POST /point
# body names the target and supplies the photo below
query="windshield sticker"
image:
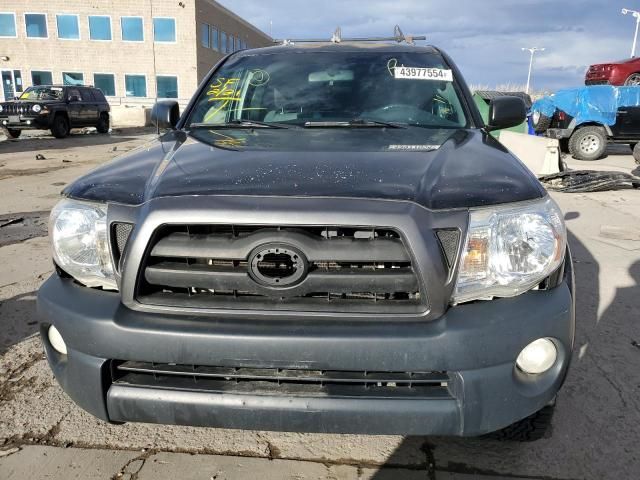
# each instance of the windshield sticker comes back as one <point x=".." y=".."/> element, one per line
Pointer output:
<point x="259" y="77"/>
<point x="420" y="73"/>
<point x="414" y="148"/>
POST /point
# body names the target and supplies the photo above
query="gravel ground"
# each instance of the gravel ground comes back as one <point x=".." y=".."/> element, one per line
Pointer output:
<point x="595" y="429"/>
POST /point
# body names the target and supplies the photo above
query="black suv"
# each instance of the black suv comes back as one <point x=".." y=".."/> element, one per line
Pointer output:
<point x="328" y="239"/>
<point x="58" y="108"/>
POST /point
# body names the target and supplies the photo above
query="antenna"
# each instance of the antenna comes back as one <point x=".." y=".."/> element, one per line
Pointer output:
<point x="398" y="37"/>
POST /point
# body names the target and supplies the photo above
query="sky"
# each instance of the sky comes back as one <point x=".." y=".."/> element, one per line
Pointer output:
<point x="484" y="37"/>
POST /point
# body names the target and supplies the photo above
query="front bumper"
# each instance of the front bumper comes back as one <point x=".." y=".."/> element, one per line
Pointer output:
<point x="476" y="344"/>
<point x="559" y="133"/>
<point x="25" y="122"/>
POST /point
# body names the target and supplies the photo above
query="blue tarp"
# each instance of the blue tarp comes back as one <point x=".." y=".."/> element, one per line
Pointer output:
<point x="598" y="103"/>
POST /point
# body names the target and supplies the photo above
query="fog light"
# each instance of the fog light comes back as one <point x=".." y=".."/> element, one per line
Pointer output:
<point x="56" y="340"/>
<point x="537" y="357"/>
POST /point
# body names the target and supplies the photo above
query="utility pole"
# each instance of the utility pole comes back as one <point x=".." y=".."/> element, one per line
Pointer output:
<point x="636" y="14"/>
<point x="533" y="51"/>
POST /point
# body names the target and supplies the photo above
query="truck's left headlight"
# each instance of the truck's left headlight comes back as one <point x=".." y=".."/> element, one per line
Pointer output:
<point x="79" y="240"/>
<point x="510" y="249"/>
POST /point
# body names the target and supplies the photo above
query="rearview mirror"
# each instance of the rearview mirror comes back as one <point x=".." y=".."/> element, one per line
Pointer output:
<point x="506" y="112"/>
<point x="165" y="114"/>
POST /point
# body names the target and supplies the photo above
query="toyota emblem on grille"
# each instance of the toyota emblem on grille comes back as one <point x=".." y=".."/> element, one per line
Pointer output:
<point x="277" y="265"/>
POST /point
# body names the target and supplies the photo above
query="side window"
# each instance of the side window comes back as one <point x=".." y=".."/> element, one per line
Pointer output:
<point x="74" y="92"/>
<point x="99" y="97"/>
<point x="87" y="95"/>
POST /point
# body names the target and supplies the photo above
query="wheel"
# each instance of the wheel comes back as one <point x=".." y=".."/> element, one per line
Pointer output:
<point x="588" y="143"/>
<point x="60" y="127"/>
<point x="13" y="133"/>
<point x="540" y="122"/>
<point x="103" y="124"/>
<point x="636" y="153"/>
<point x="633" y="80"/>
<point x="529" y="429"/>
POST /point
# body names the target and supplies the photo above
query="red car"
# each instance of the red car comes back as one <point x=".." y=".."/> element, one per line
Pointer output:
<point x="623" y="72"/>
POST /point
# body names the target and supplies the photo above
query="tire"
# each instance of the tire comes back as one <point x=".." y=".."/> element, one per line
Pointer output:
<point x="633" y="145"/>
<point x="636" y="153"/>
<point x="540" y="122"/>
<point x="633" y="80"/>
<point x="530" y="429"/>
<point x="103" y="124"/>
<point x="13" y="133"/>
<point x="60" y="127"/>
<point x="588" y="143"/>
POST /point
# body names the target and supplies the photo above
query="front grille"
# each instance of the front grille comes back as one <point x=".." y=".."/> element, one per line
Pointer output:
<point x="449" y="240"/>
<point x="119" y="236"/>
<point x="16" y="109"/>
<point x="281" y="381"/>
<point x="326" y="268"/>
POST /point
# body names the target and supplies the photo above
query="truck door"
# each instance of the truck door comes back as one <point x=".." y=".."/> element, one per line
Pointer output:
<point x="90" y="107"/>
<point x="627" y="123"/>
<point x="74" y="106"/>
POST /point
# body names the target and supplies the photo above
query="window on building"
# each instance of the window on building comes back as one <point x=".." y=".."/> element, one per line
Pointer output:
<point x="39" y="77"/>
<point x="132" y="29"/>
<point x="36" y="25"/>
<point x="215" y="40"/>
<point x="17" y="80"/>
<point x="72" y="78"/>
<point x="229" y="43"/>
<point x="223" y="41"/>
<point x="135" y="85"/>
<point x="99" y="27"/>
<point x="204" y="35"/>
<point x="7" y="25"/>
<point x="105" y="82"/>
<point x="164" y="29"/>
<point x="68" y="28"/>
<point x="167" y="86"/>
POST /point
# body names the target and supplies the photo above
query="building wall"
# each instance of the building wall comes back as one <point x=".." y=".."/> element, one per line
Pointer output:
<point x="185" y="58"/>
<point x="210" y="13"/>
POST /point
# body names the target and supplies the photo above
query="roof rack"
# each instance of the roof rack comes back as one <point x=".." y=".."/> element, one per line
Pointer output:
<point x="398" y="36"/>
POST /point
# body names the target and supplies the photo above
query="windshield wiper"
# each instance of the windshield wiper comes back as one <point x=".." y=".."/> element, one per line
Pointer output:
<point x="357" y="123"/>
<point x="237" y="124"/>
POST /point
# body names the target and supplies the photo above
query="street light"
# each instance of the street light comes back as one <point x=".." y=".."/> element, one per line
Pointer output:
<point x="636" y="14"/>
<point x="532" y="50"/>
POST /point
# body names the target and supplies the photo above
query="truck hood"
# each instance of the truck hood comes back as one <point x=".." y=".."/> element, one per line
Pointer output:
<point x="436" y="168"/>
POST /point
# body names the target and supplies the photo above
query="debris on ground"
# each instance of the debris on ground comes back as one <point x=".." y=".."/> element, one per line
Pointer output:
<point x="39" y="156"/>
<point x="18" y="227"/>
<point x="574" y="181"/>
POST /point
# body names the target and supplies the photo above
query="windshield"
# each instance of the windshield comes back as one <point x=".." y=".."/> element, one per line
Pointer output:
<point x="332" y="89"/>
<point x="42" y="93"/>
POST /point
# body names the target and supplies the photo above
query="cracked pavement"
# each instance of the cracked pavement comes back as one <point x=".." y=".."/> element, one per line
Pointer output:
<point x="44" y="435"/>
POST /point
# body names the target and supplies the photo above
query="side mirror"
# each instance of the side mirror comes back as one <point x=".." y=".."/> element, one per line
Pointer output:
<point x="165" y="114"/>
<point x="505" y="112"/>
<point x="74" y="98"/>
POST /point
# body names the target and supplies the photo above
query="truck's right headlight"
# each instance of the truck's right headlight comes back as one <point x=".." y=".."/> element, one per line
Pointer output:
<point x="78" y="233"/>
<point x="510" y="249"/>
